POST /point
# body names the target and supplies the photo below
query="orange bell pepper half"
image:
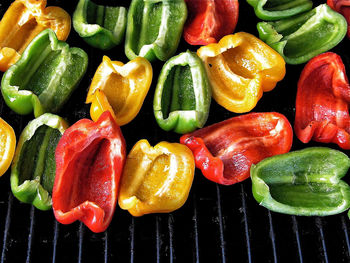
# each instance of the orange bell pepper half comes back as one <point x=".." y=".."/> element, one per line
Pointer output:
<point x="7" y="145"/>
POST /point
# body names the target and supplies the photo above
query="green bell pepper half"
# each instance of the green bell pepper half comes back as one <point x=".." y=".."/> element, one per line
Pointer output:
<point x="154" y="28"/>
<point x="100" y="26"/>
<point x="44" y="77"/>
<point x="183" y="94"/>
<point x="34" y="167"/>
<point x="277" y="9"/>
<point x="302" y="37"/>
<point x="305" y="182"/>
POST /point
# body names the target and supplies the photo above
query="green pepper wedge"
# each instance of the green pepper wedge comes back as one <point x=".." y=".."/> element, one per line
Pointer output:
<point x="305" y="182"/>
<point x="183" y="94"/>
<point x="154" y="28"/>
<point x="33" y="168"/>
<point x="302" y="37"/>
<point x="100" y="26"/>
<point x="44" y="77"/>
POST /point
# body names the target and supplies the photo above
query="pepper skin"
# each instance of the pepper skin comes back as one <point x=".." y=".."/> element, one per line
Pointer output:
<point x="33" y="168"/>
<point x="8" y="145"/>
<point x="119" y="88"/>
<point x="225" y="151"/>
<point x="154" y="28"/>
<point x="322" y="104"/>
<point x="25" y="19"/>
<point x="302" y="37"/>
<point x="89" y="161"/>
<point x="240" y="68"/>
<point x="183" y="94"/>
<point x="100" y="26"/>
<point x="342" y="7"/>
<point x="305" y="182"/>
<point x="210" y="20"/>
<point x="44" y="77"/>
<point x="156" y="180"/>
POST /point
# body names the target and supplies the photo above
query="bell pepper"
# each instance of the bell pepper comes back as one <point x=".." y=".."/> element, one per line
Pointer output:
<point x="322" y="104"/>
<point x="154" y="28"/>
<point x="305" y="182"/>
<point x="183" y="94"/>
<point x="119" y="88"/>
<point x="33" y="169"/>
<point x="89" y="161"/>
<point x="208" y="21"/>
<point x="225" y="151"/>
<point x="156" y="179"/>
<point x="8" y="145"/>
<point x="44" y="77"/>
<point x="240" y="68"/>
<point x="100" y="26"/>
<point x="277" y="9"/>
<point x="342" y="7"/>
<point x="302" y="37"/>
<point x="25" y="19"/>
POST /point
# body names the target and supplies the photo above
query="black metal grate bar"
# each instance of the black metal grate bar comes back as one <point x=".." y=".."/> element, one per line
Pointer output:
<point x="320" y="228"/>
<point x="246" y="227"/>
<point x="31" y="233"/>
<point x="106" y="246"/>
<point x="346" y="234"/>
<point x="81" y="238"/>
<point x="195" y="228"/>
<point x="221" y="227"/>
<point x="171" y="234"/>
<point x="55" y="239"/>
<point x="297" y="237"/>
<point x="157" y="239"/>
<point x="132" y="240"/>
<point x="7" y="227"/>
<point x="272" y="236"/>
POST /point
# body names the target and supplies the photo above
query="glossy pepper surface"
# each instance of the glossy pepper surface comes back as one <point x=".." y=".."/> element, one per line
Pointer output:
<point x="89" y="161"/>
<point x="240" y="68"/>
<point x="44" y="77"/>
<point x="183" y="94"/>
<point x="154" y="28"/>
<point x="277" y="9"/>
<point x="100" y="26"/>
<point x="300" y="38"/>
<point x="208" y="21"/>
<point x="33" y="169"/>
<point x="120" y="89"/>
<point x="322" y="104"/>
<point x="156" y="179"/>
<point x="342" y="7"/>
<point x="305" y="182"/>
<point x="8" y="145"/>
<point x="25" y="19"/>
<point x="225" y="151"/>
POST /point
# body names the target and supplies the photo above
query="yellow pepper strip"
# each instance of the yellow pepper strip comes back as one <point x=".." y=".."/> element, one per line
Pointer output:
<point x="25" y="19"/>
<point x="119" y="88"/>
<point x="7" y="145"/>
<point x="240" y="67"/>
<point x="156" y="179"/>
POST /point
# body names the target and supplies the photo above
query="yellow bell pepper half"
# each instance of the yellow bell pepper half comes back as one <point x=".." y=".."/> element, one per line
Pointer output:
<point x="119" y="88"/>
<point x="25" y="19"/>
<point x="240" y="68"/>
<point x="7" y="145"/>
<point x="156" y="179"/>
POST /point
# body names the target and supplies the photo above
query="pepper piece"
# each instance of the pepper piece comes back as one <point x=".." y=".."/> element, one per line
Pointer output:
<point x="154" y="28"/>
<point x="25" y="19"/>
<point x="342" y="7"/>
<point x="277" y="9"/>
<point x="301" y="37"/>
<point x="8" y="145"/>
<point x="322" y="104"/>
<point x="183" y="94"/>
<point x="156" y="180"/>
<point x="210" y="20"/>
<point x="33" y="168"/>
<point x="89" y="161"/>
<point x="225" y="151"/>
<point x="305" y="182"/>
<point x="119" y="88"/>
<point x="44" y="77"/>
<point x="240" y="67"/>
<point x="100" y="26"/>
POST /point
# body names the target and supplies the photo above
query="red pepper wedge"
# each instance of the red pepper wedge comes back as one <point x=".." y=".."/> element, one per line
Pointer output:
<point x="226" y="150"/>
<point x="342" y="7"/>
<point x="209" y="20"/>
<point x="322" y="103"/>
<point x="89" y="161"/>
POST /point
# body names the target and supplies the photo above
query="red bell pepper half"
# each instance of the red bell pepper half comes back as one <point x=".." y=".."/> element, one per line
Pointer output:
<point x="322" y="104"/>
<point x="226" y="150"/>
<point x="89" y="161"/>
<point x="209" y="20"/>
<point x="342" y="7"/>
